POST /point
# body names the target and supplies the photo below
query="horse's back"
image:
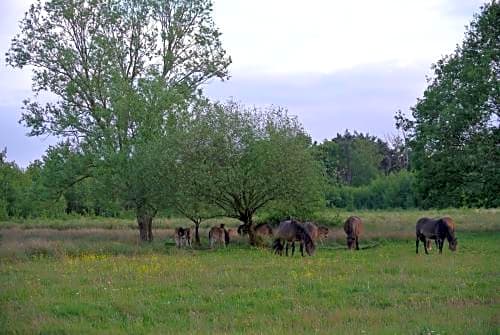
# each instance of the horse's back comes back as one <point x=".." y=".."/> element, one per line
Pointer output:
<point x="450" y="224"/>
<point x="353" y="226"/>
<point x="427" y="227"/>
<point x="216" y="233"/>
<point x="264" y="229"/>
<point x="286" y="230"/>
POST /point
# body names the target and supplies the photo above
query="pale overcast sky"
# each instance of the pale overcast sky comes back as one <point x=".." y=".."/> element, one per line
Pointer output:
<point x="335" y="64"/>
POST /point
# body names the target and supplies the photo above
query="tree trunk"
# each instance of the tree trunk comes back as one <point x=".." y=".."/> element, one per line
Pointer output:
<point x="145" y="223"/>
<point x="247" y="222"/>
<point x="197" y="233"/>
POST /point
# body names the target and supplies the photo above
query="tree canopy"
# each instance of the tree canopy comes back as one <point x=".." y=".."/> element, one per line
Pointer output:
<point x="456" y="133"/>
<point x="243" y="160"/>
<point x="122" y="72"/>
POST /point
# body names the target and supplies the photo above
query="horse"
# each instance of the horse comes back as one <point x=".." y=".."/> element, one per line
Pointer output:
<point x="232" y="232"/>
<point x="323" y="232"/>
<point x="353" y="227"/>
<point x="226" y="233"/>
<point x="436" y="229"/>
<point x="182" y="237"/>
<point x="264" y="230"/>
<point x="312" y="229"/>
<point x="291" y="231"/>
<point x="217" y="235"/>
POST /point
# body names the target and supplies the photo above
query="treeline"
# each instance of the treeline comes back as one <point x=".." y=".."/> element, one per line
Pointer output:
<point x="366" y="172"/>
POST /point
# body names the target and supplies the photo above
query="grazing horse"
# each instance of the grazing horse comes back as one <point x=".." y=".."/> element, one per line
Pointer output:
<point x="217" y="235"/>
<point x="232" y="232"/>
<point x="436" y="229"/>
<point x="312" y="229"/>
<point x="291" y="231"/>
<point x="264" y="230"/>
<point x="323" y="232"/>
<point x="182" y="237"/>
<point x="353" y="227"/>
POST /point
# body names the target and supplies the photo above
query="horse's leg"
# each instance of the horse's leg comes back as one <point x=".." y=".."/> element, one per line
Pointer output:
<point x="425" y="245"/>
<point x="286" y="249"/>
<point x="302" y="248"/>
<point x="293" y="247"/>
<point x="429" y="244"/>
<point x="357" y="243"/>
<point x="440" y="245"/>
<point x="416" y="242"/>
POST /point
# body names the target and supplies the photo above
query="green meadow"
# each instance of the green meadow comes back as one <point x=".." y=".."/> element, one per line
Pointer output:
<point x="88" y="280"/>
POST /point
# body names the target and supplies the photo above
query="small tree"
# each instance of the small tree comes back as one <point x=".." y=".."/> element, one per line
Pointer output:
<point x="250" y="159"/>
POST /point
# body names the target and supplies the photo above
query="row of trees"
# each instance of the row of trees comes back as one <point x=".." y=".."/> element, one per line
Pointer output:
<point x="137" y="134"/>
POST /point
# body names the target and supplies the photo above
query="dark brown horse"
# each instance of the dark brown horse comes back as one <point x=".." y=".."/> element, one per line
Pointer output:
<point x="353" y="228"/>
<point x="290" y="231"/>
<point x="182" y="237"/>
<point x="436" y="229"/>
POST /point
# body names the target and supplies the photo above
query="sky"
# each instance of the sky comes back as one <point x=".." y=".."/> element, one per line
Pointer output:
<point x="335" y="64"/>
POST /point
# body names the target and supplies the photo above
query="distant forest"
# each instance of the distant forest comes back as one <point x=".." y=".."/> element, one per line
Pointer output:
<point x="139" y="137"/>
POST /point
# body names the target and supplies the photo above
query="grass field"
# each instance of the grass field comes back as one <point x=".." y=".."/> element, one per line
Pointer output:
<point x="89" y="280"/>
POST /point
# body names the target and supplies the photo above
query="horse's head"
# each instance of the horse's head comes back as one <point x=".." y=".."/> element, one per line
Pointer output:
<point x="453" y="244"/>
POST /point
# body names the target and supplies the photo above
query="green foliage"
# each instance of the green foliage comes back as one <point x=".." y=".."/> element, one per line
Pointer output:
<point x="244" y="160"/>
<point x="456" y="128"/>
<point x="124" y="73"/>
<point x="396" y="190"/>
<point x="357" y="159"/>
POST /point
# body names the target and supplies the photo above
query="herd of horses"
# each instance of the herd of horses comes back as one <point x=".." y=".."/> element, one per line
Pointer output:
<point x="308" y="233"/>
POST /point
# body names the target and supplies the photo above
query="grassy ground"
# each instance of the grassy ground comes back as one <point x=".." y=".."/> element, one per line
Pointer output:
<point x="102" y="281"/>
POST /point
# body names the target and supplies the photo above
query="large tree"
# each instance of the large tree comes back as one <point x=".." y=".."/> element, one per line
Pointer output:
<point x="456" y="131"/>
<point x="119" y="74"/>
<point x="251" y="159"/>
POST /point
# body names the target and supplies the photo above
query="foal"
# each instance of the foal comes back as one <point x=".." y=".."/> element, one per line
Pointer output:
<point x="353" y="227"/>
<point x="217" y="235"/>
<point x="182" y="237"/>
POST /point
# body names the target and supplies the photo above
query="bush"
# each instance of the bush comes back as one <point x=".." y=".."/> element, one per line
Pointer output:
<point x="393" y="191"/>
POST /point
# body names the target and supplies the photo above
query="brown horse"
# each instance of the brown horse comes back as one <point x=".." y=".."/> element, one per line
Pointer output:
<point x="312" y="229"/>
<point x="436" y="229"/>
<point x="264" y="230"/>
<point x="182" y="237"/>
<point x="290" y="231"/>
<point x="323" y="232"/>
<point x="232" y="232"/>
<point x="217" y="235"/>
<point x="317" y="232"/>
<point x="353" y="228"/>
